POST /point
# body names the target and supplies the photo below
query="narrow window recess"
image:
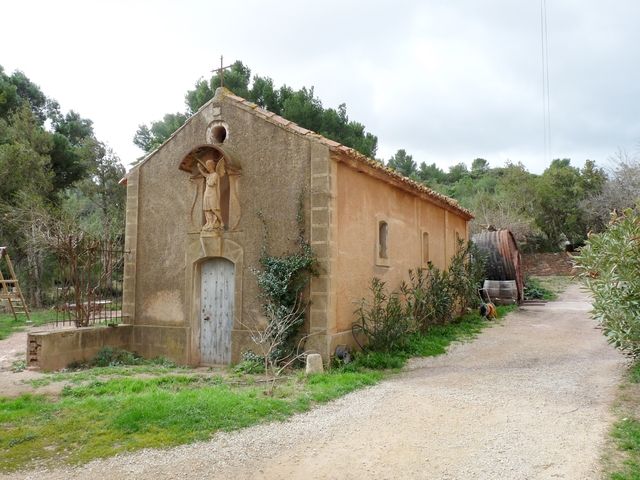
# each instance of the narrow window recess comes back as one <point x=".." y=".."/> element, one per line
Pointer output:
<point x="425" y="249"/>
<point x="383" y="248"/>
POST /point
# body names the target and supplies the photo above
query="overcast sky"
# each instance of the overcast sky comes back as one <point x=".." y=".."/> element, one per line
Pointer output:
<point x="447" y="80"/>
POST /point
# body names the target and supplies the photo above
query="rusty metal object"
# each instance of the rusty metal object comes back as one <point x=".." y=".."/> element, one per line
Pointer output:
<point x="503" y="258"/>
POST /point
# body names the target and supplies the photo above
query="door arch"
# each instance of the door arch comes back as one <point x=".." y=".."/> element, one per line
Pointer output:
<point x="217" y="304"/>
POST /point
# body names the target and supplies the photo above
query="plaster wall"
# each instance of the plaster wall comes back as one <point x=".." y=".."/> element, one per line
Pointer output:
<point x="275" y="171"/>
<point x="362" y="201"/>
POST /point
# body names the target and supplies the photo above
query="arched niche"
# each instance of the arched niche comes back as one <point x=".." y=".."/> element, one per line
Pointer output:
<point x="229" y="195"/>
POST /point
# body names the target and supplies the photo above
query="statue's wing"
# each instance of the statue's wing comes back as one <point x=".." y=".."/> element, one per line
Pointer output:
<point x="220" y="168"/>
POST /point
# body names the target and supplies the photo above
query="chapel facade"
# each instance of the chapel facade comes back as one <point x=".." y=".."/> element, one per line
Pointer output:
<point x="194" y="234"/>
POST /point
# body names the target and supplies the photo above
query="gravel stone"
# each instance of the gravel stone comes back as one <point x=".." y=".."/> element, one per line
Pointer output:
<point x="529" y="399"/>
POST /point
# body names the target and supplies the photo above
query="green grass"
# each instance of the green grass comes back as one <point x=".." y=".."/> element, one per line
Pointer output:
<point x="429" y="344"/>
<point x="546" y="288"/>
<point x="107" y="410"/>
<point x="106" y="417"/>
<point x="8" y="324"/>
<point x="626" y="430"/>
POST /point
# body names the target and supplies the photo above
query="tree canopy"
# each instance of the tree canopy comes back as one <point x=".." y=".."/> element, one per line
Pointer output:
<point x="52" y="162"/>
<point x="300" y="106"/>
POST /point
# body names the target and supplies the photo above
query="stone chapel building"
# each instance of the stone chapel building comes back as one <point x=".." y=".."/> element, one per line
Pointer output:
<point x="193" y="232"/>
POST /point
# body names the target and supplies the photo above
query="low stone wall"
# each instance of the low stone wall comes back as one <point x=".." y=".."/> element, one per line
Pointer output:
<point x="547" y="264"/>
<point x="152" y="341"/>
<point x="55" y="350"/>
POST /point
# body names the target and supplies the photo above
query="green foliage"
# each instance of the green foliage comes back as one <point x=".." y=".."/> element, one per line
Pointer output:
<point x="429" y="297"/>
<point x="383" y="320"/>
<point x="299" y="106"/>
<point x="466" y="273"/>
<point x="325" y="387"/>
<point x="9" y="325"/>
<point x="609" y="264"/>
<point x="45" y="156"/>
<point x="117" y="357"/>
<point x="374" y="360"/>
<point x="403" y="164"/>
<point x="432" y="342"/>
<point x="622" y="460"/>
<point x="560" y="191"/>
<point x="105" y="417"/>
<point x="102" y="417"/>
<point x="113" y="357"/>
<point x="432" y="297"/>
<point x="150" y="138"/>
<point x="282" y="280"/>
<point x="251" y="363"/>
<point x="535" y="290"/>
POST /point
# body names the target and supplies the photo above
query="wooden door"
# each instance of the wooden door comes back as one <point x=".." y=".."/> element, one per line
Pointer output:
<point x="216" y="310"/>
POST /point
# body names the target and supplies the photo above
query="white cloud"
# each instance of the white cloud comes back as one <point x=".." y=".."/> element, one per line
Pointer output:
<point x="447" y="81"/>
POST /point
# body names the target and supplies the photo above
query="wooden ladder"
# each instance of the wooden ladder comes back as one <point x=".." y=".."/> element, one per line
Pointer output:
<point x="10" y="289"/>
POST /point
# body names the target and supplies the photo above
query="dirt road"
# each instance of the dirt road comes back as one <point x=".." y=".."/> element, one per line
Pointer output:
<point x="529" y="399"/>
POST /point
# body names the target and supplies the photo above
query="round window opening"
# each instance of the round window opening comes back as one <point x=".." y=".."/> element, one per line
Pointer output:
<point x="219" y="133"/>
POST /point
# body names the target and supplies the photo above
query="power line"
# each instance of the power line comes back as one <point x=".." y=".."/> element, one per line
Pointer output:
<point x="546" y="108"/>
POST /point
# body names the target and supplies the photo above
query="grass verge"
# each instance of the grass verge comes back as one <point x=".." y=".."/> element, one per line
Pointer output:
<point x="434" y="342"/>
<point x="108" y="410"/>
<point x="622" y="455"/>
<point x="8" y="324"/>
<point x="546" y="288"/>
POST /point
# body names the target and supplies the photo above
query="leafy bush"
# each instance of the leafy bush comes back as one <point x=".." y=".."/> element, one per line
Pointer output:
<point x="609" y="264"/>
<point x="431" y="297"/>
<point x="465" y="274"/>
<point x="428" y="297"/>
<point x="383" y="320"/>
<point x="251" y="363"/>
<point x="112" y="357"/>
<point x="116" y="357"/>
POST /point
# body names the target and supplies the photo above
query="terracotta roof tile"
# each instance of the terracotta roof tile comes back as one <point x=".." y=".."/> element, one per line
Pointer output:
<point x="346" y="152"/>
<point x="298" y="128"/>
<point x="329" y="142"/>
<point x="281" y="120"/>
<point x="264" y="112"/>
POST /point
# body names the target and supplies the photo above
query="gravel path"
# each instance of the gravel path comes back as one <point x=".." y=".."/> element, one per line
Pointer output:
<point x="529" y="399"/>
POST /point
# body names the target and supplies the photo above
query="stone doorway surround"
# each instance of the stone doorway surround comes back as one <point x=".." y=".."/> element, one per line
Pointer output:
<point x="200" y="248"/>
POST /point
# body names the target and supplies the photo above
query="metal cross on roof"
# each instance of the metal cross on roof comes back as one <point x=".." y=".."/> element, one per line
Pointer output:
<point x="220" y="71"/>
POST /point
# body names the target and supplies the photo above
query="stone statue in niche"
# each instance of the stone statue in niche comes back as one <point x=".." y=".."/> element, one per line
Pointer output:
<point x="213" y="172"/>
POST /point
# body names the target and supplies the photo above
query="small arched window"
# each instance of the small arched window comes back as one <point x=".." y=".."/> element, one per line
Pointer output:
<point x="383" y="232"/>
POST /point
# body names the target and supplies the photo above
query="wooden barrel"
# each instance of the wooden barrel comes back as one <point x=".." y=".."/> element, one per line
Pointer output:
<point x="503" y="258"/>
<point x="502" y="292"/>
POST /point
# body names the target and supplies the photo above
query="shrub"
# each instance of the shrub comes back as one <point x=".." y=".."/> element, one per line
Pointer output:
<point x="609" y="264"/>
<point x="431" y="297"/>
<point x="111" y="357"/>
<point x="383" y="320"/>
<point x="428" y="296"/>
<point x="466" y="273"/>
<point x="251" y="363"/>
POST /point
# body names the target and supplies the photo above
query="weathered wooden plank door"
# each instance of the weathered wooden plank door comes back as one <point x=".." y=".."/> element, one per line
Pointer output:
<point x="216" y="310"/>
